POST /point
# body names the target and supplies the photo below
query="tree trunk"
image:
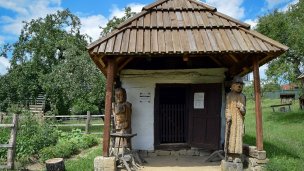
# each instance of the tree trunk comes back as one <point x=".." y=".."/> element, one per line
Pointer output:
<point x="55" y="164"/>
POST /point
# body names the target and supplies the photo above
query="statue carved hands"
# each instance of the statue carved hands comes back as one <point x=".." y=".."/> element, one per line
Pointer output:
<point x="241" y="107"/>
<point x="228" y="119"/>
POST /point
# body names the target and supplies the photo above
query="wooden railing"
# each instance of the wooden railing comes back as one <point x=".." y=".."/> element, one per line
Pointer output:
<point x="11" y="146"/>
<point x="87" y="124"/>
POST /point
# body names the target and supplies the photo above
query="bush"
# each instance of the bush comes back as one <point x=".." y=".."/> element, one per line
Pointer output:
<point x="68" y="144"/>
<point x="33" y="136"/>
<point x="4" y="137"/>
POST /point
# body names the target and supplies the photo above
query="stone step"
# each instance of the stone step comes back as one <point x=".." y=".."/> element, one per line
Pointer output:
<point x="184" y="152"/>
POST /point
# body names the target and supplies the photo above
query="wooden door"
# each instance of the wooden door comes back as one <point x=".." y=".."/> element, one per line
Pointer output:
<point x="204" y="115"/>
<point x="171" y="113"/>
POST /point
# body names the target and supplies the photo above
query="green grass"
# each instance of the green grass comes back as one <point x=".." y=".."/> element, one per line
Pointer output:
<point x="93" y="129"/>
<point x="85" y="161"/>
<point x="283" y="135"/>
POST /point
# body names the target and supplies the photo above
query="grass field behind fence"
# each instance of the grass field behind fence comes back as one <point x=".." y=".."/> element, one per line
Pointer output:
<point x="93" y="129"/>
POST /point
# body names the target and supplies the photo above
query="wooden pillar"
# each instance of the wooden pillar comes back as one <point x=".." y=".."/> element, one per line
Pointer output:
<point x="108" y="106"/>
<point x="258" y="110"/>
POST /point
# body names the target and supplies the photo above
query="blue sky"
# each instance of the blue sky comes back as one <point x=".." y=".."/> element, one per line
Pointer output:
<point x="96" y="13"/>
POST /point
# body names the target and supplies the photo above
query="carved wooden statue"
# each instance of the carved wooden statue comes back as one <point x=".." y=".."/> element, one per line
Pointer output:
<point x="122" y="111"/>
<point x="235" y="112"/>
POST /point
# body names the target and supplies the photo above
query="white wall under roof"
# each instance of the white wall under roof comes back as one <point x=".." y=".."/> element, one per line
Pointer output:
<point x="140" y="86"/>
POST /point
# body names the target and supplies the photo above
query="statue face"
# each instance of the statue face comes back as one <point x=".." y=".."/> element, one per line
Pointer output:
<point x="119" y="96"/>
<point x="237" y="87"/>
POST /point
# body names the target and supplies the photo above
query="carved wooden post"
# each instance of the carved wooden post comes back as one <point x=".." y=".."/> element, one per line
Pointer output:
<point x="87" y="131"/>
<point x="108" y="105"/>
<point x="258" y="110"/>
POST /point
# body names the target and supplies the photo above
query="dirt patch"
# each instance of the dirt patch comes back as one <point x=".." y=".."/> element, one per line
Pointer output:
<point x="179" y="163"/>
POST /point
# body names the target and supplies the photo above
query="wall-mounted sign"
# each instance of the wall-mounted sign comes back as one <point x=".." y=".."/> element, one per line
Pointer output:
<point x="199" y="100"/>
<point x="144" y="97"/>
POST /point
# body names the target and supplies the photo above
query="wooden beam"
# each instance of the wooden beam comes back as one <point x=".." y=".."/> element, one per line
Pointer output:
<point x="258" y="110"/>
<point x="216" y="61"/>
<point x="237" y="68"/>
<point x="233" y="58"/>
<point x="111" y="72"/>
<point x="125" y="63"/>
<point x="99" y="65"/>
<point x="101" y="62"/>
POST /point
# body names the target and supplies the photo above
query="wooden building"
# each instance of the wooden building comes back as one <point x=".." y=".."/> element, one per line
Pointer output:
<point x="174" y="59"/>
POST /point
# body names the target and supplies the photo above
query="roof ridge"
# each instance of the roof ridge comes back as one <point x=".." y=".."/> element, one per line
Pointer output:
<point x="154" y="4"/>
<point x="204" y="5"/>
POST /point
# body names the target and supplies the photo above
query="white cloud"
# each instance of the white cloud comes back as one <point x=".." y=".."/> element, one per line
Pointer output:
<point x="4" y="65"/>
<point x="232" y="8"/>
<point x="91" y="25"/>
<point x="252" y="22"/>
<point x="25" y="11"/>
<point x="136" y="7"/>
<point x="285" y="8"/>
<point x="115" y="11"/>
<point x="273" y="3"/>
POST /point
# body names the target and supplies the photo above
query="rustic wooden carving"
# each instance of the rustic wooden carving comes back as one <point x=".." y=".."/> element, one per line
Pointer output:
<point x="235" y="112"/>
<point x="122" y="111"/>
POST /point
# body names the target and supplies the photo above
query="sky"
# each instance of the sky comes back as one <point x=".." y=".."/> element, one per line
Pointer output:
<point x="96" y="13"/>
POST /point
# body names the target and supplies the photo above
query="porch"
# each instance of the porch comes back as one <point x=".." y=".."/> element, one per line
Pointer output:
<point x="180" y="163"/>
<point x="181" y="160"/>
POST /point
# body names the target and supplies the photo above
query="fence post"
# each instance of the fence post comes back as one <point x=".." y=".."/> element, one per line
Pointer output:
<point x="12" y="142"/>
<point x="1" y="118"/>
<point x="87" y="131"/>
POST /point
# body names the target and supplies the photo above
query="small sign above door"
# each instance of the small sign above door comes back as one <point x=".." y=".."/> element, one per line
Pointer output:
<point x="144" y="97"/>
<point x="199" y="100"/>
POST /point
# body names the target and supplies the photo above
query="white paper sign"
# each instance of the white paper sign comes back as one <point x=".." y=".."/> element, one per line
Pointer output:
<point x="144" y="97"/>
<point x="199" y="100"/>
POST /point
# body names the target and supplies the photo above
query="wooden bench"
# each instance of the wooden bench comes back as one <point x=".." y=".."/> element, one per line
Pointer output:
<point x="287" y="98"/>
<point x="281" y="105"/>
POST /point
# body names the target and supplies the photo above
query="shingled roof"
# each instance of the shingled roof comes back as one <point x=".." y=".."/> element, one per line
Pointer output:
<point x="184" y="27"/>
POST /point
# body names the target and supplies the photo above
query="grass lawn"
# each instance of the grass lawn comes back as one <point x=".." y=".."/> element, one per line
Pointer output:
<point x="283" y="135"/>
<point x="283" y="139"/>
<point x="84" y="161"/>
<point x="93" y="128"/>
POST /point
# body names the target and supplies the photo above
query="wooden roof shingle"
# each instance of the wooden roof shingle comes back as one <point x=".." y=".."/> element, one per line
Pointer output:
<point x="183" y="26"/>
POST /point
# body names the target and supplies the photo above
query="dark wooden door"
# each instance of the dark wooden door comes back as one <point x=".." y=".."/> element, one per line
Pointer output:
<point x="204" y="116"/>
<point x="171" y="113"/>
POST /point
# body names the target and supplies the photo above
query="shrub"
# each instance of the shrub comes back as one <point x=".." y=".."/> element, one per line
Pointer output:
<point x="68" y="144"/>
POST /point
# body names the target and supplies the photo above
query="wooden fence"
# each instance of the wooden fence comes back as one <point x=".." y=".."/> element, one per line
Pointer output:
<point x="11" y="146"/>
<point x="87" y="125"/>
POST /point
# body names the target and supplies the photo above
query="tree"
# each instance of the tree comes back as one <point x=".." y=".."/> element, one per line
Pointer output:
<point x="50" y="56"/>
<point x="114" y="22"/>
<point x="287" y="28"/>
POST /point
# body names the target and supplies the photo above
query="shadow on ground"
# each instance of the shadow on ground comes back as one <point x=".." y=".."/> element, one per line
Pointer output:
<point x="271" y="149"/>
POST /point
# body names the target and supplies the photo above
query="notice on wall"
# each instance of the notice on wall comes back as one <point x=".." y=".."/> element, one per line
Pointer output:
<point x="144" y="97"/>
<point x="199" y="100"/>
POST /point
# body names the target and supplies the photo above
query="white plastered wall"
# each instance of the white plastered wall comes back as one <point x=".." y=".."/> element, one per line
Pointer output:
<point x="140" y="86"/>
